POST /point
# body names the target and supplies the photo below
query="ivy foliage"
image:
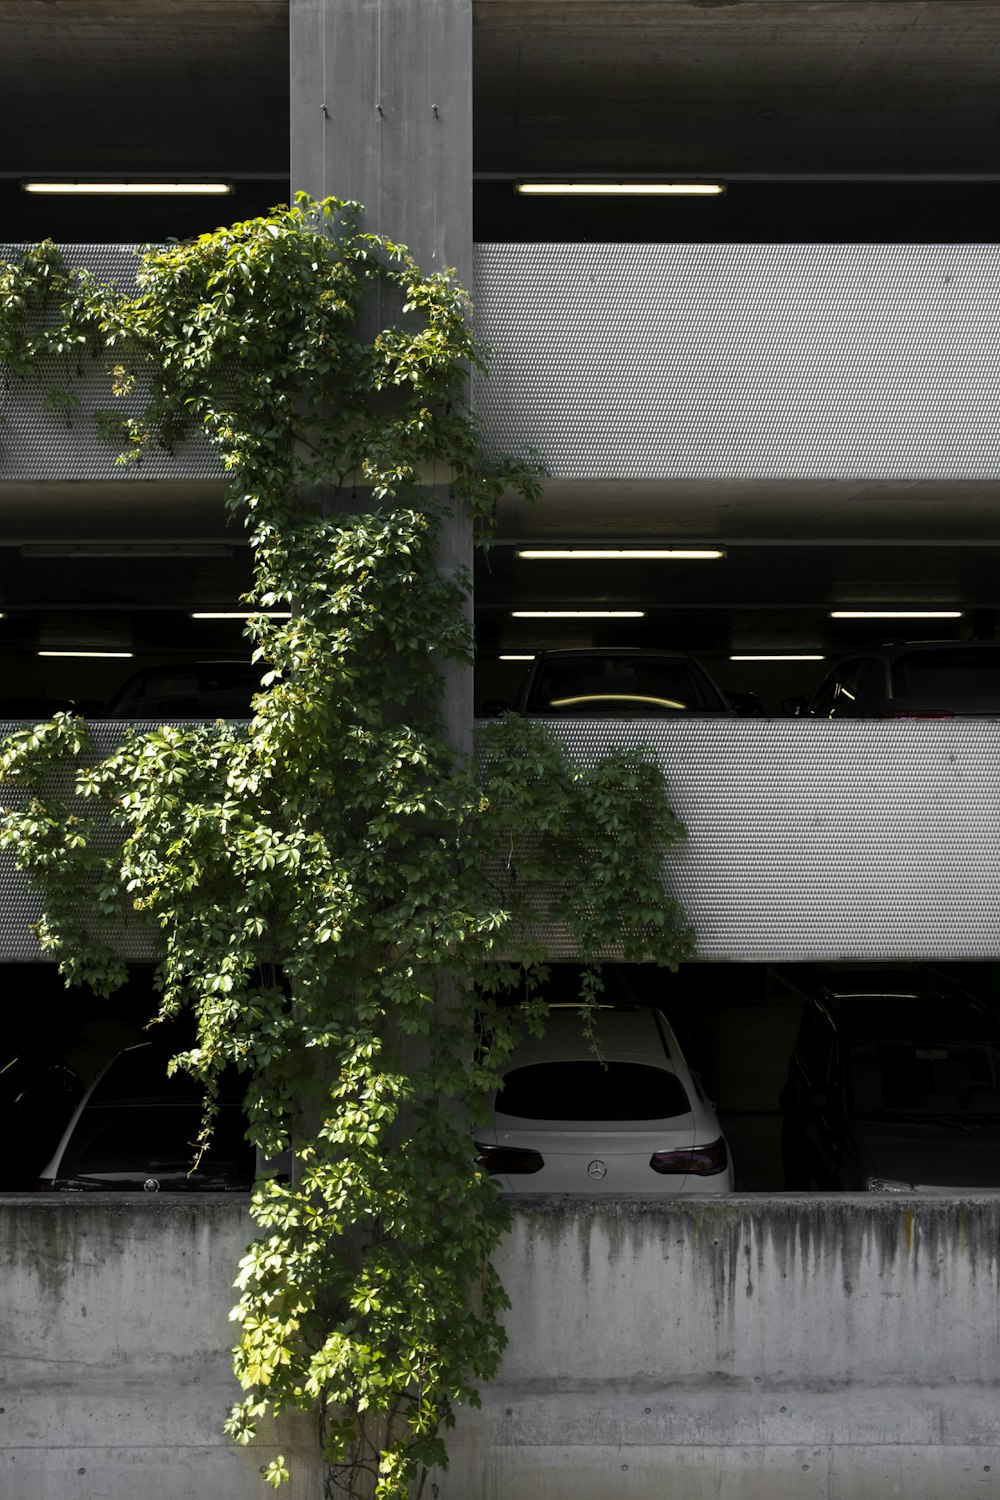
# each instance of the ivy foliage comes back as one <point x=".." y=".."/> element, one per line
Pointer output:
<point x="345" y="903"/>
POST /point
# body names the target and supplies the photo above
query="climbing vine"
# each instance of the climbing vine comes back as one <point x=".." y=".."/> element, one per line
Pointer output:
<point x="346" y="906"/>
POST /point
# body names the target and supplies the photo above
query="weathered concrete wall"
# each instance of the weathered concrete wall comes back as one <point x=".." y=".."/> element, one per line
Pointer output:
<point x="750" y="1349"/>
<point x="114" y="1353"/>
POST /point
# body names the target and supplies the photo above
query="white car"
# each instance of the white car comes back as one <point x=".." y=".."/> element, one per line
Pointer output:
<point x="633" y="1120"/>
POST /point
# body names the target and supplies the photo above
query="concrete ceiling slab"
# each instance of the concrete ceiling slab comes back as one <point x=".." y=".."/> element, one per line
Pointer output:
<point x="737" y="86"/>
<point x="165" y="86"/>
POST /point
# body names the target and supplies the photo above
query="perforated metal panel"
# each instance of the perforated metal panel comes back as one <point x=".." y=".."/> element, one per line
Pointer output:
<point x="20" y="906"/>
<point x="40" y="444"/>
<point x="806" y="840"/>
<point x="817" y="840"/>
<point x="673" y="361"/>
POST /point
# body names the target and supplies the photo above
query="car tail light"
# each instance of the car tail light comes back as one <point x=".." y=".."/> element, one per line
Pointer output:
<point x="702" y="1161"/>
<point x="44" y="1185"/>
<point x="919" y="713"/>
<point x="513" y="1160"/>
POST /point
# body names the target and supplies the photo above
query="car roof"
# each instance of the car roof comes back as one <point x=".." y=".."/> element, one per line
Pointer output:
<point x="624" y="1032"/>
<point x="904" y="1015"/>
<point x="894" y="647"/>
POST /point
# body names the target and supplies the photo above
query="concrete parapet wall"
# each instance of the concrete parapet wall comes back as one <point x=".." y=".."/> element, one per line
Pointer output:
<point x="749" y="1349"/>
<point x="115" y="1374"/>
<point x="846" y="1348"/>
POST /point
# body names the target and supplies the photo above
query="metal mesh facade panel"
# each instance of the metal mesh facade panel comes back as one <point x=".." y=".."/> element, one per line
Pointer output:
<point x="672" y="361"/>
<point x="20" y="906"/>
<point x="36" y="444"/>
<point x="806" y="839"/>
<point x="743" y="361"/>
<point x="811" y="840"/>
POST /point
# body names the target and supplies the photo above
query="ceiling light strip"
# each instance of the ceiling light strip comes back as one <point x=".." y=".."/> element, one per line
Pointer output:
<point x="896" y="614"/>
<point x="620" y="554"/>
<point x="578" y="614"/>
<point x="634" y="188"/>
<point x="83" y="188"/>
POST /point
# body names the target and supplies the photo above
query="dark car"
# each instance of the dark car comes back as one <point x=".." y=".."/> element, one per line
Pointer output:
<point x="910" y="680"/>
<point x="135" y="1128"/>
<point x="893" y="1086"/>
<point x="38" y="1094"/>
<point x="188" y="690"/>
<point x="618" y="683"/>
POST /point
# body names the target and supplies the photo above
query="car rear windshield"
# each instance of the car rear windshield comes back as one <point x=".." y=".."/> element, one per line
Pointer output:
<point x="592" y="1090"/>
<point x="204" y="689"/>
<point x="146" y="1140"/>
<point x="622" y="684"/>
<point x="924" y="1077"/>
<point x="948" y="674"/>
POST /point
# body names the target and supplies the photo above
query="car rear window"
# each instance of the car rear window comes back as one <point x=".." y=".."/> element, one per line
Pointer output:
<point x="591" y="1090"/>
<point x="141" y="1073"/>
<point x="951" y="674"/>
<point x="646" y="684"/>
<point x="155" y="1138"/>
<point x="924" y="1077"/>
<point x="203" y="688"/>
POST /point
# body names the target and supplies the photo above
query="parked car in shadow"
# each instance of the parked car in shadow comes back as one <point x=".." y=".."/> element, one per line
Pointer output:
<point x="631" y="1119"/>
<point x="38" y="1094"/>
<point x="893" y="1086"/>
<point x="908" y="680"/>
<point x="37" y="708"/>
<point x="134" y="1129"/>
<point x="188" y="690"/>
<point x="618" y="683"/>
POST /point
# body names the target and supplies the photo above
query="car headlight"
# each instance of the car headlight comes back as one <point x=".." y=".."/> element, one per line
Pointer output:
<point x="889" y="1185"/>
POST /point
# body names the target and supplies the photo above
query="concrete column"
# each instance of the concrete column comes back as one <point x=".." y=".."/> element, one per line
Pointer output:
<point x="381" y="96"/>
<point x="381" y="111"/>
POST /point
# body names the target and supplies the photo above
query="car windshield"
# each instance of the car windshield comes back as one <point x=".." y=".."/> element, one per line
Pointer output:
<point x="924" y="1078"/>
<point x="952" y="674"/>
<point x="623" y="685"/>
<point x="591" y="1090"/>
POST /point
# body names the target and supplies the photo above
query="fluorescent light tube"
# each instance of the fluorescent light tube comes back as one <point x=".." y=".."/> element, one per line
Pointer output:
<point x="620" y="554"/>
<point x="774" y="656"/>
<point x="578" y="614"/>
<point x="136" y="189"/>
<point x="87" y="653"/>
<point x="624" y="189"/>
<point x="896" y="614"/>
<point x="240" y="614"/>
